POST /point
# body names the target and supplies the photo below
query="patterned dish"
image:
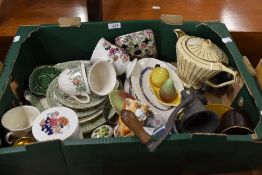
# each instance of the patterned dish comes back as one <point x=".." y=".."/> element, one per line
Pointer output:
<point x="91" y="121"/>
<point x="69" y="64"/>
<point x="103" y="131"/>
<point x="40" y="79"/>
<point x="90" y="126"/>
<point x="138" y="44"/>
<point x="147" y="91"/>
<point x="86" y="120"/>
<point x="56" y="123"/>
<point x="53" y="100"/>
<point x="145" y="94"/>
<point x="177" y="83"/>
<point x="128" y="87"/>
<point x="68" y="101"/>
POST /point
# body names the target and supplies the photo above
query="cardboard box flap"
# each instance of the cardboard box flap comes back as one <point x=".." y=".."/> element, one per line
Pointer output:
<point x="22" y="34"/>
<point x="171" y="19"/>
<point x="69" y="22"/>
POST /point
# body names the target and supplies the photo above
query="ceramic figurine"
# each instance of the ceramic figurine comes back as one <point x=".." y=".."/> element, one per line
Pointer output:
<point x="139" y="109"/>
<point x="199" y="59"/>
<point x="168" y="91"/>
<point x="193" y="118"/>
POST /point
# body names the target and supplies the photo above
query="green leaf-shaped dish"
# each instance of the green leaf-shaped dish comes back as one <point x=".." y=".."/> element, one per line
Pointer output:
<point x="40" y="79"/>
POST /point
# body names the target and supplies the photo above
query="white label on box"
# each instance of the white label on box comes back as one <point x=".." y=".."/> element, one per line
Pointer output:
<point x="227" y="40"/>
<point x="16" y="39"/>
<point x="114" y="25"/>
<point x="155" y="7"/>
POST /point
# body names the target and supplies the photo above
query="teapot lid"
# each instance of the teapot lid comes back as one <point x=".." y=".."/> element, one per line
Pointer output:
<point x="203" y="49"/>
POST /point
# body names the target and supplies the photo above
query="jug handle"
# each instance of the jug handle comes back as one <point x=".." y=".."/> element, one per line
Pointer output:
<point x="228" y="70"/>
<point x="179" y="33"/>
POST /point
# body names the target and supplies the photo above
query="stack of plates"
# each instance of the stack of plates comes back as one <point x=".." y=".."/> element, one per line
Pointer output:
<point x="90" y="114"/>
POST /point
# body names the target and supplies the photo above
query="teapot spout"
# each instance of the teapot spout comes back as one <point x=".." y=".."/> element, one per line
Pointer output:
<point x="179" y="33"/>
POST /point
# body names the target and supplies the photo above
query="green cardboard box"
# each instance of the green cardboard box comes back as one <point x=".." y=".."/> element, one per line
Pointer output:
<point x="51" y="44"/>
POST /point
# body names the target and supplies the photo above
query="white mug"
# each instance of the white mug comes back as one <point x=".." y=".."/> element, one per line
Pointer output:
<point x="74" y="83"/>
<point x="19" y="121"/>
<point x="105" y="51"/>
<point x="102" y="78"/>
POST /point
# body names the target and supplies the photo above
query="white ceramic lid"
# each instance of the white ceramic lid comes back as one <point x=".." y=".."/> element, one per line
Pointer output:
<point x="202" y="49"/>
<point x="55" y="123"/>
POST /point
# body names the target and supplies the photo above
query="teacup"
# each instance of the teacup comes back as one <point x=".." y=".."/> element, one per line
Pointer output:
<point x="102" y="78"/>
<point x="73" y="81"/>
<point x="19" y="121"/>
<point x="139" y="44"/>
<point x="105" y="51"/>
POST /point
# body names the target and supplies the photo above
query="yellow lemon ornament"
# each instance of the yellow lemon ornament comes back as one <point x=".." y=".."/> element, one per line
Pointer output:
<point x="159" y="75"/>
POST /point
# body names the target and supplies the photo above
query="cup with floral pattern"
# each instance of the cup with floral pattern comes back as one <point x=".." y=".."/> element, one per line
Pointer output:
<point x="73" y="82"/>
<point x="139" y="44"/>
<point x="105" y="51"/>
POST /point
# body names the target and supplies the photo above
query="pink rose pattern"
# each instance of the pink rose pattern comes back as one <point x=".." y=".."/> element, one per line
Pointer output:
<point x="54" y="123"/>
<point x="139" y="44"/>
<point x="115" y="53"/>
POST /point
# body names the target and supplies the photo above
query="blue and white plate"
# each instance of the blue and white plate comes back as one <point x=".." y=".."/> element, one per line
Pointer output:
<point x="141" y="85"/>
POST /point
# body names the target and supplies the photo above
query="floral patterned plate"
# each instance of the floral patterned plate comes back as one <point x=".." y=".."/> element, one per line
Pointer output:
<point x="56" y="123"/>
<point x="86" y="120"/>
<point x="70" y="64"/>
<point x="68" y="101"/>
<point x="91" y="121"/>
<point x="93" y="124"/>
<point x="52" y="101"/>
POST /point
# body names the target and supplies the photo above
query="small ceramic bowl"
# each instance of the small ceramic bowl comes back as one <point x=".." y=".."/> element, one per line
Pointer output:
<point x="103" y="131"/>
<point x="40" y="79"/>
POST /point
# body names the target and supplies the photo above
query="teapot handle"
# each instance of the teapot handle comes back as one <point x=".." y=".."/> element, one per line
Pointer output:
<point x="228" y="70"/>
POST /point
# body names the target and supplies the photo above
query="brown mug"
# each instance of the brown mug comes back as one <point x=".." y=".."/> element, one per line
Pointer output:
<point x="236" y="122"/>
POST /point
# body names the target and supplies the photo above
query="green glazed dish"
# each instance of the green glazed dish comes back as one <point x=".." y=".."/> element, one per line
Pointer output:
<point x="40" y="79"/>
